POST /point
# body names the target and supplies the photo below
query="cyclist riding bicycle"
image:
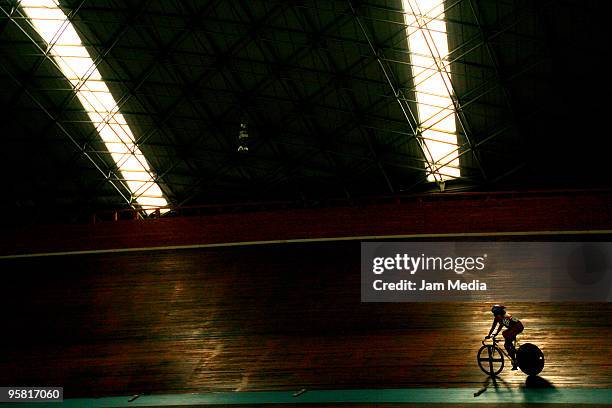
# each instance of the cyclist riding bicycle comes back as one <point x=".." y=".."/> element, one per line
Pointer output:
<point x="513" y="328"/>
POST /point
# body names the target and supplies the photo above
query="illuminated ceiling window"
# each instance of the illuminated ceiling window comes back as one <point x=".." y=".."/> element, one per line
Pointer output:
<point x="428" y="44"/>
<point x="73" y="59"/>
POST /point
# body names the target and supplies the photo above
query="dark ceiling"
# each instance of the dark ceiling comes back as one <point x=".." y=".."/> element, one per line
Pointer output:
<point x="321" y="85"/>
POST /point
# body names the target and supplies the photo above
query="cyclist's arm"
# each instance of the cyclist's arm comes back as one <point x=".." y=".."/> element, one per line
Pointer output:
<point x="493" y="328"/>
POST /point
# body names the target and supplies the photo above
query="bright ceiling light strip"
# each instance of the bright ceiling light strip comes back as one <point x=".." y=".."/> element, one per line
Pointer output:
<point x="428" y="44"/>
<point x="73" y="59"/>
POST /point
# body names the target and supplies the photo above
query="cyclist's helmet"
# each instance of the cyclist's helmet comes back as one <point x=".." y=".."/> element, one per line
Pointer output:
<point x="498" y="310"/>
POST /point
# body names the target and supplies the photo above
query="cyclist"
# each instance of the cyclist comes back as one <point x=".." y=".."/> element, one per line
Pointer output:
<point x="513" y="328"/>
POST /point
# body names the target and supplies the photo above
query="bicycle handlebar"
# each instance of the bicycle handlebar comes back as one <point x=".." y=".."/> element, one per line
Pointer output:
<point x="494" y="340"/>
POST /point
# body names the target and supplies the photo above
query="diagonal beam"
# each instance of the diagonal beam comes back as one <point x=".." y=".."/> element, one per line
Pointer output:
<point x="409" y="115"/>
<point x="108" y="174"/>
<point x="353" y="103"/>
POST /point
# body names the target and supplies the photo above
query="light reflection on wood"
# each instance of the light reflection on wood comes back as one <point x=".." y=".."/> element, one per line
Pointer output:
<point x="270" y="317"/>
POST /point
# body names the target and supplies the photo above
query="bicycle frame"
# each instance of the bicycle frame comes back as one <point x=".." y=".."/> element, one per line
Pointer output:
<point x="490" y="348"/>
<point x="494" y="342"/>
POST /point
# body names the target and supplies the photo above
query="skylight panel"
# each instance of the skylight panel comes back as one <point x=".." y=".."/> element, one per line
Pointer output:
<point x="428" y="44"/>
<point x="73" y="59"/>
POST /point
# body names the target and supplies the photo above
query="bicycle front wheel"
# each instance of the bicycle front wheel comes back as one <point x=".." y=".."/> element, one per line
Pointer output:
<point x="490" y="360"/>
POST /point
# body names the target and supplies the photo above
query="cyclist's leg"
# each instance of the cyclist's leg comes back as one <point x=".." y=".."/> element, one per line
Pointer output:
<point x="509" y="346"/>
<point x="516" y="330"/>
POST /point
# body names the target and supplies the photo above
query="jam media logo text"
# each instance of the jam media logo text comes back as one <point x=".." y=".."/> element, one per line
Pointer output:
<point x="412" y="264"/>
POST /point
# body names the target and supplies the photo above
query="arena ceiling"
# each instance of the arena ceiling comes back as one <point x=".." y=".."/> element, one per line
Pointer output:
<point x="299" y="101"/>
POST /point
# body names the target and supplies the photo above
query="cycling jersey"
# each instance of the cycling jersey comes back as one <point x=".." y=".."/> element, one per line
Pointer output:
<point x="506" y="320"/>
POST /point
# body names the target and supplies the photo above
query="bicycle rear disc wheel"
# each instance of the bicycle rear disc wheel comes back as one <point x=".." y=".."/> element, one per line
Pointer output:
<point x="490" y="360"/>
<point x="530" y="359"/>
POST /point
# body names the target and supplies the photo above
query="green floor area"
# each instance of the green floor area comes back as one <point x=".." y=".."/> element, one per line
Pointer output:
<point x="365" y="396"/>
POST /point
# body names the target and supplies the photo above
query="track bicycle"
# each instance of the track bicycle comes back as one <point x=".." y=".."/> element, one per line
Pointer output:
<point x="529" y="358"/>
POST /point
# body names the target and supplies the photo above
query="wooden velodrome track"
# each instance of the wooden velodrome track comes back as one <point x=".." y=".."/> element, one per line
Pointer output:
<point x="270" y="317"/>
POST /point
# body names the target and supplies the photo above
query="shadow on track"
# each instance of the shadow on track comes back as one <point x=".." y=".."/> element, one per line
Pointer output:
<point x="538" y="390"/>
<point x="535" y="381"/>
<point x="534" y="389"/>
<point x="496" y="382"/>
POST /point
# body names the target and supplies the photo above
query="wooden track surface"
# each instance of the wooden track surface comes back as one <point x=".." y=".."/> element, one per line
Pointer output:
<point x="260" y="318"/>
